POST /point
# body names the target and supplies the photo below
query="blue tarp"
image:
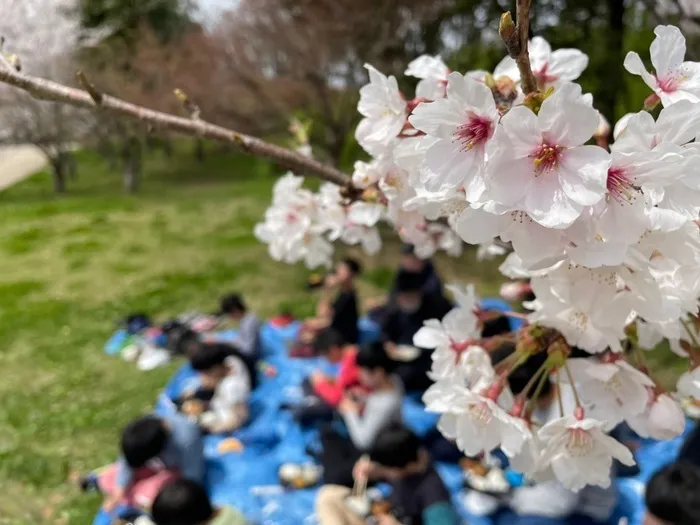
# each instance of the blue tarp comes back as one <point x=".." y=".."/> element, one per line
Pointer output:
<point x="249" y="481"/>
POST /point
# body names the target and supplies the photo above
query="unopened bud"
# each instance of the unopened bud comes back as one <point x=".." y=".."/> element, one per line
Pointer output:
<point x="508" y="32"/>
<point x="651" y="102"/>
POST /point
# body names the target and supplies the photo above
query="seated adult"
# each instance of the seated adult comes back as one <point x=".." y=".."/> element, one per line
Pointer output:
<point x="418" y="494"/>
<point x="412" y="308"/>
<point x="337" y="306"/>
<point x="154" y="451"/>
<point x="220" y="398"/>
<point x="247" y="341"/>
<point x="409" y="262"/>
<point x="365" y="417"/>
<point x="672" y="495"/>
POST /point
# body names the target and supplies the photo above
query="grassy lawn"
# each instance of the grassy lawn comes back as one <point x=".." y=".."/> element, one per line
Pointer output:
<point x="71" y="266"/>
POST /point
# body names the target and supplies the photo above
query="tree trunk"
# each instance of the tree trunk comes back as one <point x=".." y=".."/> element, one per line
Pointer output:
<point x="58" y="167"/>
<point x="168" y="147"/>
<point x="71" y="165"/>
<point x="132" y="164"/>
<point x="199" y="150"/>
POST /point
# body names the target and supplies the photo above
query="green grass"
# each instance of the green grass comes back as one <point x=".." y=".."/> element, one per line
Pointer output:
<point x="72" y="265"/>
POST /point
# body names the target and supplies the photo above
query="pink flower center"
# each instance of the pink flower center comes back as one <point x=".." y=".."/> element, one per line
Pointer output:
<point x="543" y="77"/>
<point x="546" y="157"/>
<point x="620" y="185"/>
<point x="672" y="82"/>
<point x="481" y="413"/>
<point x="580" y="442"/>
<point x="291" y="217"/>
<point x="475" y="132"/>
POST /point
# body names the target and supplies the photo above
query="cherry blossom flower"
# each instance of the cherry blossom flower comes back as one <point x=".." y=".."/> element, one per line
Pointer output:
<point x="464" y="122"/>
<point x="384" y="110"/>
<point x="580" y="453"/>
<point x="689" y="384"/>
<point x="674" y="79"/>
<point x="433" y="74"/>
<point x="612" y="391"/>
<point x="663" y="418"/>
<point x="448" y="338"/>
<point x="538" y="163"/>
<point x="551" y="68"/>
<point x="368" y="238"/>
<point x="475" y="422"/>
<point x="488" y="251"/>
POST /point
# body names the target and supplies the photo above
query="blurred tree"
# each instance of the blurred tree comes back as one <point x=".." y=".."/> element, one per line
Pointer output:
<point x="123" y="18"/>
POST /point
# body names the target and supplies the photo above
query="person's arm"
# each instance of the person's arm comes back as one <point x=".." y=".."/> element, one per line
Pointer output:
<point x="332" y="391"/>
<point x="363" y="430"/>
<point x="247" y="335"/>
<point x="324" y="308"/>
<point x="440" y="513"/>
<point x="125" y="474"/>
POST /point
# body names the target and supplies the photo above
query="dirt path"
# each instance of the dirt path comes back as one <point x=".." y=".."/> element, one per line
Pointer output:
<point x="19" y="162"/>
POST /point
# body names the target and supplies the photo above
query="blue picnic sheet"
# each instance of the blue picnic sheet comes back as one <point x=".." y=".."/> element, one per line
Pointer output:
<point x="249" y="480"/>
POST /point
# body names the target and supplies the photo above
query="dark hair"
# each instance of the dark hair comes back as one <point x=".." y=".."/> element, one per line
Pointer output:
<point x="672" y="494"/>
<point x="409" y="281"/>
<point x="142" y="440"/>
<point x="182" y="502"/>
<point x="326" y="339"/>
<point x="395" y="447"/>
<point x="522" y="375"/>
<point x="496" y="325"/>
<point x="354" y="265"/>
<point x="372" y="356"/>
<point x="231" y="303"/>
<point x="206" y="356"/>
<point x="408" y="249"/>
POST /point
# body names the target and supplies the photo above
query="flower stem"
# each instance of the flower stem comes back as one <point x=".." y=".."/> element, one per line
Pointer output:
<point x="573" y="385"/>
<point x="559" y="400"/>
<point x="538" y="391"/>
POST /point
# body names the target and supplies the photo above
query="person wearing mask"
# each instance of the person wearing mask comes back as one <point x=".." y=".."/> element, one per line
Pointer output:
<point x="410" y="310"/>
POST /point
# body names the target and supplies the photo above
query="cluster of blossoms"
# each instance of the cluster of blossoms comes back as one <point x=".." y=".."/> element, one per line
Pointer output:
<point x="607" y="236"/>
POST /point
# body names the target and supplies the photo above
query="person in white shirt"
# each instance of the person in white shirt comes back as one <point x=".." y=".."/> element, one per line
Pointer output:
<point x="228" y="381"/>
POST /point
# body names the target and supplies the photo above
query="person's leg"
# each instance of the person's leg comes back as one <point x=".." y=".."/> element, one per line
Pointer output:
<point x="331" y="508"/>
<point x="338" y="458"/>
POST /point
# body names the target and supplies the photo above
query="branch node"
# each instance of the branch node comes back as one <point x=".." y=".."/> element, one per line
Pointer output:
<point x="95" y="95"/>
<point x="515" y="36"/>
<point x="192" y="109"/>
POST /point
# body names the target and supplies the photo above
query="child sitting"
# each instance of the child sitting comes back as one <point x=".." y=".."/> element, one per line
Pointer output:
<point x="418" y="494"/>
<point x="672" y="495"/>
<point x="185" y="502"/>
<point x="247" y="341"/>
<point x="322" y="393"/>
<point x="227" y="381"/>
<point x="154" y="451"/>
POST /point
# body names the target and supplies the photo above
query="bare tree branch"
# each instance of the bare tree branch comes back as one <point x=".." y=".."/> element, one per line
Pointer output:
<point x="46" y="89"/>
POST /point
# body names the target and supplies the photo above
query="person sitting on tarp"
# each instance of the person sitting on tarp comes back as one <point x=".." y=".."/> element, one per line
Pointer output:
<point x="155" y="450"/>
<point x="337" y="308"/>
<point x="365" y="417"/>
<point x="418" y="494"/>
<point x="322" y="393"/>
<point x="672" y="495"/>
<point x="247" y="340"/>
<point x="219" y="398"/>
<point x="411" y="309"/>
<point x="409" y="262"/>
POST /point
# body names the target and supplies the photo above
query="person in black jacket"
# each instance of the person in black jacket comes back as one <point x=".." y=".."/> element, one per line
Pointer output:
<point x="411" y="309"/>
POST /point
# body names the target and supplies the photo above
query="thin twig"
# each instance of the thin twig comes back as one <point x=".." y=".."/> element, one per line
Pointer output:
<point x="49" y="90"/>
<point x="573" y="385"/>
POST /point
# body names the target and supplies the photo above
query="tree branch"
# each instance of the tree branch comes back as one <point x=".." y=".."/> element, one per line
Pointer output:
<point x="46" y="89"/>
<point x="516" y="36"/>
